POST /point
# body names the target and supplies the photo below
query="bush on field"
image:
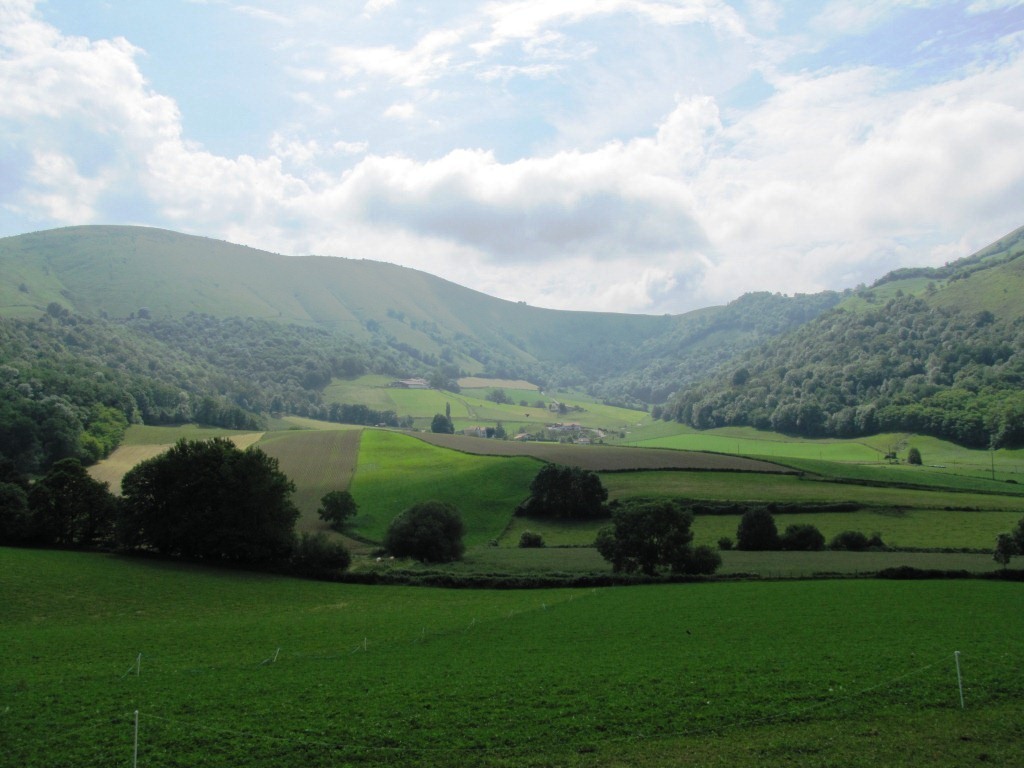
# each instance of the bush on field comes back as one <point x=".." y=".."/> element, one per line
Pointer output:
<point x="530" y="540"/>
<point x="802" y="538"/>
<point x="430" y="532"/>
<point x="757" y="531"/>
<point x="647" y="536"/>
<point x="725" y="543"/>
<point x="855" y="541"/>
<point x="316" y="555"/>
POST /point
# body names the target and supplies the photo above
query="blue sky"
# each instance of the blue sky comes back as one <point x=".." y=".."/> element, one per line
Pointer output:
<point x="624" y="155"/>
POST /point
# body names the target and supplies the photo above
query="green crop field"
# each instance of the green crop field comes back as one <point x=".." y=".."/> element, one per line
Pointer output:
<point x="229" y="668"/>
<point x="396" y="471"/>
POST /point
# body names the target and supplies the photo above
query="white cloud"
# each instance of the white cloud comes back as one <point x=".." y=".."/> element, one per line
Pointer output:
<point x="834" y="178"/>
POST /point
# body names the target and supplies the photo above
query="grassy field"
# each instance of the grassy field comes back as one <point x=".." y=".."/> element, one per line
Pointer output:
<point x="787" y="565"/>
<point x="782" y="488"/>
<point x="255" y="671"/>
<point x="471" y="408"/>
<point x="913" y="528"/>
<point x="396" y="471"/>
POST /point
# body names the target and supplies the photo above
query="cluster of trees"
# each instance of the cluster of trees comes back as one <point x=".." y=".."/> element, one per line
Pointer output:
<point x="757" y="531"/>
<point x="1009" y="544"/>
<point x="565" y="492"/>
<point x="203" y="500"/>
<point x="901" y="367"/>
<point x="650" y="536"/>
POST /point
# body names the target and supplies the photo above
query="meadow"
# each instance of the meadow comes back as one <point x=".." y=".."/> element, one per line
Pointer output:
<point x="389" y="471"/>
<point x="231" y="668"/>
<point x="396" y="471"/>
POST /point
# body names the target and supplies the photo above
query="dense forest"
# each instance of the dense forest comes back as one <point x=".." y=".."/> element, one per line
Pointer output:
<point x="70" y="385"/>
<point x="904" y="366"/>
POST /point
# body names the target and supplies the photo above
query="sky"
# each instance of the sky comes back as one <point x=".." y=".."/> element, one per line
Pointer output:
<point x="643" y="156"/>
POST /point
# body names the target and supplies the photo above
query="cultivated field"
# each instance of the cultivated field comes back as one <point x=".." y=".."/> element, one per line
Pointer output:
<point x="142" y="443"/>
<point x="601" y="458"/>
<point x="318" y="462"/>
<point x="229" y="668"/>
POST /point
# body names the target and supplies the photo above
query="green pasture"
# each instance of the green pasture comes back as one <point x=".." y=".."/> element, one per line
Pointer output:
<point x="256" y="671"/>
<point x="783" y="488"/>
<point x="939" y="456"/>
<point x="915" y="528"/>
<point x="585" y="560"/>
<point x="371" y="390"/>
<point x="396" y="471"/>
<point x="754" y="445"/>
<point x="141" y="434"/>
<point x="471" y="407"/>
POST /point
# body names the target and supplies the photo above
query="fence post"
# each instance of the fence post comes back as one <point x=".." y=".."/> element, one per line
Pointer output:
<point x="959" y="678"/>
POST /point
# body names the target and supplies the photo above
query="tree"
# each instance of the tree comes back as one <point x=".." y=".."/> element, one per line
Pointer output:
<point x="69" y="507"/>
<point x="210" y="500"/>
<point x="757" y="530"/>
<point x="15" y="518"/>
<point x="1018" y="535"/>
<point x="530" y="540"/>
<point x="803" y="537"/>
<point x="442" y="424"/>
<point x="854" y="541"/>
<point x="430" y="532"/>
<point x="914" y="456"/>
<point x="1006" y="548"/>
<point x="569" y="492"/>
<point x="652" y="535"/>
<point x="337" y="508"/>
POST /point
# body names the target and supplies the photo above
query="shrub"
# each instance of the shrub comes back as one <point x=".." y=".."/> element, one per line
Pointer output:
<point x="853" y="541"/>
<point x="430" y="532"/>
<point x="757" y="530"/>
<point x="725" y="543"/>
<point x="529" y="540"/>
<point x="914" y="456"/>
<point x="802" y="538"/>
<point x="704" y="561"/>
<point x="316" y="555"/>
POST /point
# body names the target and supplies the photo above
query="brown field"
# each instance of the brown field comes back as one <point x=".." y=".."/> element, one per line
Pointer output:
<point x="113" y="468"/>
<point x="318" y="462"/>
<point x="602" y="458"/>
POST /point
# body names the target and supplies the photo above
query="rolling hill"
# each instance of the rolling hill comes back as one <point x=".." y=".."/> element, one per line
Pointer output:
<point x="102" y="326"/>
<point x="933" y="351"/>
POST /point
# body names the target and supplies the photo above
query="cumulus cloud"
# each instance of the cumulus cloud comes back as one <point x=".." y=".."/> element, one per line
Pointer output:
<point x="834" y="177"/>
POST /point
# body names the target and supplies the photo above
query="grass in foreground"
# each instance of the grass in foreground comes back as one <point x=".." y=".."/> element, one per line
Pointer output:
<point x="851" y="673"/>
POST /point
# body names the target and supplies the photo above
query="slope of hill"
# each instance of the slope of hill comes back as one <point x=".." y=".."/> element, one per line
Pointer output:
<point x="118" y="272"/>
<point x="948" y="363"/>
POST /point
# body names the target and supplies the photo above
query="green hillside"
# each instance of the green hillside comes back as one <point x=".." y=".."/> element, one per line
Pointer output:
<point x="120" y="272"/>
<point x="946" y="362"/>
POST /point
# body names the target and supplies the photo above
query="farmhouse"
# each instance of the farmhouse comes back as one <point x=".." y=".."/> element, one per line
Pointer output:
<point x="411" y="384"/>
